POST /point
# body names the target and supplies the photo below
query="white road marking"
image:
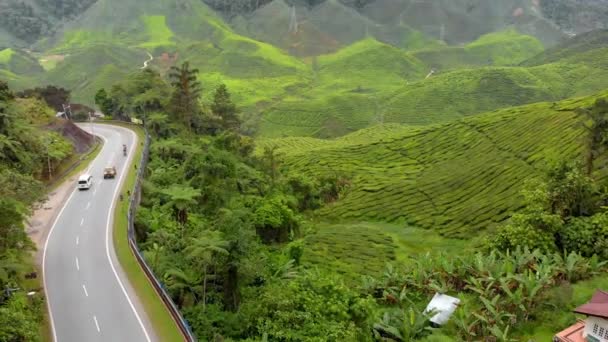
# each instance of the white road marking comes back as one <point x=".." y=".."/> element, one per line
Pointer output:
<point x="77" y="240"/>
<point x="81" y="221"/>
<point x="78" y="267"/>
<point x="108" y="230"/>
<point x="46" y="244"/>
<point x="88" y="205"/>
<point x="85" y="290"/>
<point x="96" y="324"/>
<point x="94" y="191"/>
<point x="110" y="216"/>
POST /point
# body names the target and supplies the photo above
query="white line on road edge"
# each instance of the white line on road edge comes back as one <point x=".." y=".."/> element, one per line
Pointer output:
<point x="85" y="290"/>
<point x="81" y="221"/>
<point x="88" y="205"/>
<point x="96" y="324"/>
<point x="108" y="230"/>
<point x="77" y="265"/>
<point x="77" y="240"/>
<point x="46" y="244"/>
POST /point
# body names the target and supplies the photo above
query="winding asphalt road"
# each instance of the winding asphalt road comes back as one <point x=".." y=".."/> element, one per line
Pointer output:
<point x="88" y="295"/>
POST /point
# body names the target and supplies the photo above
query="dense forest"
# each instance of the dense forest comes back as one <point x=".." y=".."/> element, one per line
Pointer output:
<point x="31" y="22"/>
<point x="224" y="228"/>
<point x="24" y="149"/>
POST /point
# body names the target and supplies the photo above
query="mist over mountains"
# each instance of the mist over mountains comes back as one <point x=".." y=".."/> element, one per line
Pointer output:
<point x="333" y="22"/>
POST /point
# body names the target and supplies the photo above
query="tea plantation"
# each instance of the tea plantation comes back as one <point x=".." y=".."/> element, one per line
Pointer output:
<point x="458" y="178"/>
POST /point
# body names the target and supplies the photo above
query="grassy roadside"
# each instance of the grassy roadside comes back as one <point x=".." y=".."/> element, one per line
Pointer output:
<point x="161" y="319"/>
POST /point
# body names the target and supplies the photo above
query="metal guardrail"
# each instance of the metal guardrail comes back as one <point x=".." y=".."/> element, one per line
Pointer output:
<point x="158" y="286"/>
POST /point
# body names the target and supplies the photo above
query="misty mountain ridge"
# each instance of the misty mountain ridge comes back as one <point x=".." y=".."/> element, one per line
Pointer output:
<point x="311" y="27"/>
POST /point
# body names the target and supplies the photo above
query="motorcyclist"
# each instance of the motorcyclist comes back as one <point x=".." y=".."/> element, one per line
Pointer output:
<point x="124" y="149"/>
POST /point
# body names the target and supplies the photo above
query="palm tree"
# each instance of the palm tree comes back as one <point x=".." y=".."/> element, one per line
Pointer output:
<point x="185" y="283"/>
<point x="181" y="198"/>
<point x="203" y="250"/>
<point x="9" y="147"/>
<point x="158" y="122"/>
<point x="186" y="91"/>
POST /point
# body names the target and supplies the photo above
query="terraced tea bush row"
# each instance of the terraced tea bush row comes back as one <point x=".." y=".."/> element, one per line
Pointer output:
<point x="459" y="178"/>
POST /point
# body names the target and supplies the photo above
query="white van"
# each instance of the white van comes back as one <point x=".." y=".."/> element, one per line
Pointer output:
<point x="85" y="181"/>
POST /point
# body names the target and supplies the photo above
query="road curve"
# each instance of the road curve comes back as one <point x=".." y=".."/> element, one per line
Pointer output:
<point x="88" y="295"/>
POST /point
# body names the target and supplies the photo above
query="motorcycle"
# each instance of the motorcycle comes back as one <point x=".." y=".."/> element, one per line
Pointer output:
<point x="124" y="150"/>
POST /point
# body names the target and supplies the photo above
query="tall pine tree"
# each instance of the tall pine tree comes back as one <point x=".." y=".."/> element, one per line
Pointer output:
<point x="225" y="109"/>
<point x="186" y="91"/>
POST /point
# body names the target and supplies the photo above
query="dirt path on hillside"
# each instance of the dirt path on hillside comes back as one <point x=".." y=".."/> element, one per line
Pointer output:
<point x="148" y="61"/>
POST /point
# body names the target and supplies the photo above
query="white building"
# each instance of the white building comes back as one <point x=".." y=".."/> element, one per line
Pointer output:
<point x="595" y="327"/>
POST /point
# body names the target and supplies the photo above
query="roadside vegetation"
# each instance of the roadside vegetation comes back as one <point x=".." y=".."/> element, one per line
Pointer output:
<point x="26" y="153"/>
<point x="250" y="243"/>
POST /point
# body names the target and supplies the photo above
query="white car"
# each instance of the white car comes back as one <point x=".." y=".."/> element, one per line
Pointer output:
<point x="85" y="181"/>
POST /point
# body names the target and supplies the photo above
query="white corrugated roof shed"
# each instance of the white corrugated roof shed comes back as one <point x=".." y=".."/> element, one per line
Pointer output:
<point x="444" y="306"/>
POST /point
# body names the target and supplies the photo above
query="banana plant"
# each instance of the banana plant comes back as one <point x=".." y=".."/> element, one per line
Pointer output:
<point x="466" y="324"/>
<point x="596" y="266"/>
<point x="481" y="286"/>
<point x="492" y="313"/>
<point x="575" y="267"/>
<point x="501" y="334"/>
<point x="403" y="325"/>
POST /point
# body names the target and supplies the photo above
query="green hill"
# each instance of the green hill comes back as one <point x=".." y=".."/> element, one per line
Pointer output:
<point x="344" y="93"/>
<point x="503" y="48"/>
<point x="464" y="92"/>
<point x="100" y="54"/>
<point x="370" y="82"/>
<point x="19" y="62"/>
<point x="568" y="50"/>
<point x="87" y="70"/>
<point x="459" y="178"/>
<point x="18" y="68"/>
<point x="369" y="64"/>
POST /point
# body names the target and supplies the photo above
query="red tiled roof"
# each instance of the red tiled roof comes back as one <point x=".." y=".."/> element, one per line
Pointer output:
<point x="597" y="306"/>
<point x="572" y="334"/>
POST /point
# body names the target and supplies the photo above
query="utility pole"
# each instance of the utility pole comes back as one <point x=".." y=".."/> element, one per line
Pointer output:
<point x="48" y="158"/>
<point x="67" y="110"/>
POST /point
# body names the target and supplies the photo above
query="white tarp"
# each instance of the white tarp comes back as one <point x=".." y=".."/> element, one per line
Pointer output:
<point x="444" y="306"/>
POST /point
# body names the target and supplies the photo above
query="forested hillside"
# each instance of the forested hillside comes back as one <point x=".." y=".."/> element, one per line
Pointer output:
<point x="24" y="149"/>
<point x="270" y="238"/>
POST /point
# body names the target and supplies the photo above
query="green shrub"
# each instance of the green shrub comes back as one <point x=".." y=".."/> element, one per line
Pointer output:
<point x="275" y="221"/>
<point x="310" y="308"/>
<point x="587" y="235"/>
